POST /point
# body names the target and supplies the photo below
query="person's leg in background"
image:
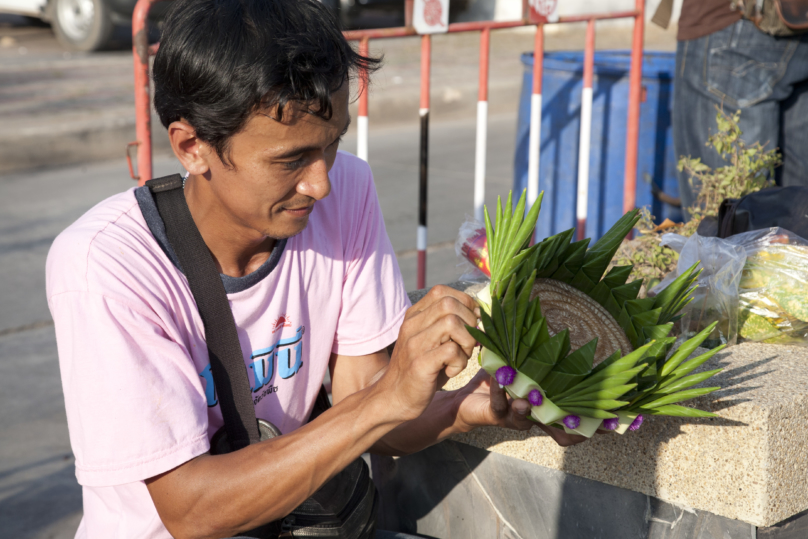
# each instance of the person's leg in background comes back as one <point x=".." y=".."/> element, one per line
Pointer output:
<point x="738" y="67"/>
<point x="794" y="122"/>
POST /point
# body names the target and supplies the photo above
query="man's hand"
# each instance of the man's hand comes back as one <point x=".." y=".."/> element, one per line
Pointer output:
<point x="484" y="403"/>
<point x="433" y="345"/>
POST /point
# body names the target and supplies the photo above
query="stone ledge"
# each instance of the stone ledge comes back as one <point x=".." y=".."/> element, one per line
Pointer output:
<point x="750" y="464"/>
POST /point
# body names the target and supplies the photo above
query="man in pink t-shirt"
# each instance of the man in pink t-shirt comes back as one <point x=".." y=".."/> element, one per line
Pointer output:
<point x="254" y="94"/>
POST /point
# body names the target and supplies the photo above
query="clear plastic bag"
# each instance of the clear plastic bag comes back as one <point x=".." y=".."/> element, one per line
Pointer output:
<point x="471" y="248"/>
<point x="773" y="290"/>
<point x="717" y="297"/>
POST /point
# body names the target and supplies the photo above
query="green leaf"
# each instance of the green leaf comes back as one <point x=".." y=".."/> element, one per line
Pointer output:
<point x="679" y="384"/>
<point x="535" y="369"/>
<point x="639" y="306"/>
<point x="556" y="347"/>
<point x="616" y="355"/>
<point x="496" y="244"/>
<point x="557" y="381"/>
<point x="689" y="366"/>
<point x="528" y="227"/>
<point x="617" y="276"/>
<point x="678" y="397"/>
<point x="601" y="382"/>
<point x="687" y="348"/>
<point x="516" y="221"/>
<point x="681" y="411"/>
<point x="671" y="292"/>
<point x="599" y="256"/>
<point x="580" y="361"/>
<point x="489" y="238"/>
<point x="498" y="319"/>
<point x="648" y="318"/>
<point x="627" y="292"/>
<point x="484" y="340"/>
<point x="491" y="332"/>
<point x="591" y="412"/>
<point x="657" y="333"/>
<point x="599" y="404"/>
<point x="521" y="310"/>
<point x="598" y="394"/>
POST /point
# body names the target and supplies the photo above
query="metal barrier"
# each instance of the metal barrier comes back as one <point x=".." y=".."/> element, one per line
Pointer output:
<point x="143" y="145"/>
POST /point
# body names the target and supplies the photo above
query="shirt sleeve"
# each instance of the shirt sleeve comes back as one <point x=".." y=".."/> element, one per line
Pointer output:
<point x="374" y="299"/>
<point x="135" y="404"/>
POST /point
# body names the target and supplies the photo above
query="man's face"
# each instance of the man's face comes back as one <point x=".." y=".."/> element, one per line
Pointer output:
<point x="279" y="168"/>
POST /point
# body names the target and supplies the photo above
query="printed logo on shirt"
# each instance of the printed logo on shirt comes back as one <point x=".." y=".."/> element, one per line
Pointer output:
<point x="287" y="354"/>
<point x="282" y="322"/>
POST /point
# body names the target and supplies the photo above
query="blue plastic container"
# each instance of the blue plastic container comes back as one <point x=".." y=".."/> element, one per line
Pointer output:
<point x="561" y="110"/>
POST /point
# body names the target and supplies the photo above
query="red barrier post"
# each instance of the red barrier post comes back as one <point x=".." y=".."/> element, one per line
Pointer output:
<point x="633" y="125"/>
<point x="362" y="120"/>
<point x="534" y="140"/>
<point x="585" y="132"/>
<point x="426" y="53"/>
<point x="482" y="126"/>
<point x="140" y="52"/>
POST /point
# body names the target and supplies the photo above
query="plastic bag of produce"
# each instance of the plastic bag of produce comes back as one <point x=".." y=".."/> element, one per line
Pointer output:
<point x="717" y="297"/>
<point x="773" y="304"/>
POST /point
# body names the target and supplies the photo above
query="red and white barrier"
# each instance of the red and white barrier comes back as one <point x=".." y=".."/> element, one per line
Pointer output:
<point x="426" y="17"/>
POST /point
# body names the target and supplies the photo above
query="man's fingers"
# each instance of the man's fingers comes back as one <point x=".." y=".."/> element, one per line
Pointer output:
<point x="445" y="329"/>
<point x="439" y="292"/>
<point x="520" y="408"/>
<point x="447" y="306"/>
<point x="499" y="399"/>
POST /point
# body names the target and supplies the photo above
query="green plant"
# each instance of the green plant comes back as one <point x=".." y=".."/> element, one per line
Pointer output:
<point x="749" y="168"/>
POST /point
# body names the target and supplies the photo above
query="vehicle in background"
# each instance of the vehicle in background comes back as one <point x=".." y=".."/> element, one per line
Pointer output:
<point x="88" y="25"/>
<point x="352" y="12"/>
<point x="81" y="25"/>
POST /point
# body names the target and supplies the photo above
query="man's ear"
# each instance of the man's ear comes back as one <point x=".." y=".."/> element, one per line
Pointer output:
<point x="190" y="151"/>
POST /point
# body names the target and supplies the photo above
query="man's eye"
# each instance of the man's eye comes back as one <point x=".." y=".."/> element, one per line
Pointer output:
<point x="294" y="165"/>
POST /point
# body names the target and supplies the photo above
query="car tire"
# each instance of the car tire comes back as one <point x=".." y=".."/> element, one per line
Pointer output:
<point x="81" y="25"/>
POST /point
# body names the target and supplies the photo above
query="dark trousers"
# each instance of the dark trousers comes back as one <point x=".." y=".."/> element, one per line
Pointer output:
<point x="765" y="77"/>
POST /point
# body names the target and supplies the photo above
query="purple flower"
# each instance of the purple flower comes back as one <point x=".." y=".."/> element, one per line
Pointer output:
<point x="505" y="375"/>
<point x="636" y="423"/>
<point x="535" y="397"/>
<point x="572" y="422"/>
<point x="610" y="424"/>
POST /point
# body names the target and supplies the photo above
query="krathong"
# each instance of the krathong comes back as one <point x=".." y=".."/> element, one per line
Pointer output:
<point x="562" y="330"/>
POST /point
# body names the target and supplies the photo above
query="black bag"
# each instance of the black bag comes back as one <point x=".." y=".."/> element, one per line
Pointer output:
<point x="786" y="207"/>
<point x="343" y="508"/>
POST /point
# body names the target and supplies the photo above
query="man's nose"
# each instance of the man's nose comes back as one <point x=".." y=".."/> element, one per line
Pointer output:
<point x="315" y="183"/>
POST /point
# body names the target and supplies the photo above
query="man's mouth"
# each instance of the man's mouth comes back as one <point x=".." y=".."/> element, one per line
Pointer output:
<point x="300" y="211"/>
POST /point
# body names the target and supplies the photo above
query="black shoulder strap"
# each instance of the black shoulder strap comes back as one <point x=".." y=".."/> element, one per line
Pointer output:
<point x="224" y="349"/>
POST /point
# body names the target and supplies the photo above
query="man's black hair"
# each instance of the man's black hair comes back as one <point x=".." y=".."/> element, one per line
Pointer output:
<point x="219" y="61"/>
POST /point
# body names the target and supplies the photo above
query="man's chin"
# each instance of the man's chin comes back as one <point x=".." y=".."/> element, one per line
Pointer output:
<point x="286" y="232"/>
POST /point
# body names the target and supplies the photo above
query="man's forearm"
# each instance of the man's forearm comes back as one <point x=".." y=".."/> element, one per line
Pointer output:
<point x="436" y="423"/>
<point x="216" y="496"/>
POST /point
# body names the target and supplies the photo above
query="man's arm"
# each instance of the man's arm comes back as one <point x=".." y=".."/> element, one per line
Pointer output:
<point x="219" y="496"/>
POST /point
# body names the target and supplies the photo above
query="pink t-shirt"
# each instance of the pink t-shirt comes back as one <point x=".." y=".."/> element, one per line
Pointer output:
<point x="135" y="370"/>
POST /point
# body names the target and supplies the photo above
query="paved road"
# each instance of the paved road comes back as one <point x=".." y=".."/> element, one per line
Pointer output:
<point x="39" y="497"/>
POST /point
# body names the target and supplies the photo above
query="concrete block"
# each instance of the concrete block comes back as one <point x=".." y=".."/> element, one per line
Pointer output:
<point x="749" y="464"/>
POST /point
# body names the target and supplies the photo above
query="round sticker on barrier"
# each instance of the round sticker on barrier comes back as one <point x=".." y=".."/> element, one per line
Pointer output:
<point x="543" y="11"/>
<point x="431" y="16"/>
